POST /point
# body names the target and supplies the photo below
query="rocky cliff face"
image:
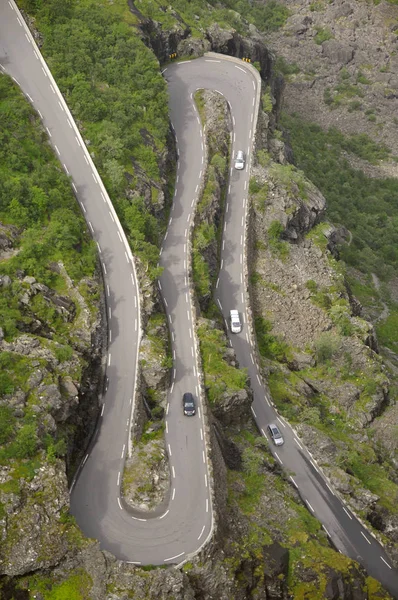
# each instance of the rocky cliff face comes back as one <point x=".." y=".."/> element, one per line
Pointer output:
<point x="345" y="53"/>
<point x="165" y="42"/>
<point x="53" y="388"/>
<point x="319" y="356"/>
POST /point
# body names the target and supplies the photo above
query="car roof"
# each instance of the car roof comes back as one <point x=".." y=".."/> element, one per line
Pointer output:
<point x="234" y="313"/>
<point x="274" y="427"/>
<point x="188" y="396"/>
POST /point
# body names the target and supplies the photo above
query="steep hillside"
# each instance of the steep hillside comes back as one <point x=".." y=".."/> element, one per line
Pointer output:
<point x="104" y="56"/>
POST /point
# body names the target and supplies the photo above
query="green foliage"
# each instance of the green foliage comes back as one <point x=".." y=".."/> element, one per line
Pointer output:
<point x="387" y="331"/>
<point x="316" y="6"/>
<point x="14" y="372"/>
<point x="267" y="101"/>
<point x="219" y="376"/>
<point x="36" y="196"/>
<point x="363" y="464"/>
<point x="254" y="186"/>
<point x="63" y="353"/>
<point x="322" y="35"/>
<point x="26" y="442"/>
<point x="285" y="68"/>
<point x="253" y="477"/>
<point x="157" y="334"/>
<point x="311" y="285"/>
<point x="200" y="103"/>
<point x="354" y="105"/>
<point x="326" y="346"/>
<point x="263" y="157"/>
<point x="7" y="424"/>
<point x="152" y="434"/>
<point x="54" y="449"/>
<point x="114" y="87"/>
<point x="269" y="345"/>
<point x="201" y="274"/>
<point x="361" y="78"/>
<point x="292" y="178"/>
<point x="269" y="16"/>
<point x="366" y="206"/>
<point x="277" y="246"/>
<point x="258" y="191"/>
<point x="76" y="586"/>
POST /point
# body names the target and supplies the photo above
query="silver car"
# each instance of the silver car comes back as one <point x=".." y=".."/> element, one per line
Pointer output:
<point x="239" y="160"/>
<point x="275" y="434"/>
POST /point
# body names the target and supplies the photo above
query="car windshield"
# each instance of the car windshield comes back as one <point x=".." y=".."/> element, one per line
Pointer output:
<point x="189" y="404"/>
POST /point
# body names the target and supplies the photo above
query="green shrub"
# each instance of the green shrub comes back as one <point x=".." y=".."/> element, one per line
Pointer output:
<point x="269" y="345"/>
<point x="63" y="353"/>
<point x="288" y="175"/>
<point x="7" y="424"/>
<point x="361" y="78"/>
<point x="278" y="247"/>
<point x="255" y="278"/>
<point x="354" y="105"/>
<point x="254" y="186"/>
<point x="26" y="442"/>
<point x="76" y="585"/>
<point x="263" y="158"/>
<point x="322" y="35"/>
<point x="326" y="346"/>
<point x="267" y="101"/>
<point x="220" y="376"/>
<point x="311" y="285"/>
<point x="285" y="68"/>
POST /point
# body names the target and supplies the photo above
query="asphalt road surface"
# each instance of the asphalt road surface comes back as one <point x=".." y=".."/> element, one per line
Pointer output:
<point x="183" y="524"/>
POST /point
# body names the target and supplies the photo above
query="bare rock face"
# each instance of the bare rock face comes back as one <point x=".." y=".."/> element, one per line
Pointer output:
<point x="323" y="448"/>
<point x="285" y="202"/>
<point x="336" y="52"/>
<point x="159" y="583"/>
<point x="230" y="42"/>
<point x="362" y="39"/>
<point x="233" y="408"/>
<point x="33" y="535"/>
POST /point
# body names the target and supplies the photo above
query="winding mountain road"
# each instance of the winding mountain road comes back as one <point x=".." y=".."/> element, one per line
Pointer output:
<point x="181" y="526"/>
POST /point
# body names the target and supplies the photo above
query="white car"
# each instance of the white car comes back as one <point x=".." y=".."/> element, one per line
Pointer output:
<point x="236" y="325"/>
<point x="239" y="160"/>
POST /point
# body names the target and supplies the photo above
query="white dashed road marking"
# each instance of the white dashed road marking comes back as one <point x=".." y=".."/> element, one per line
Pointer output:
<point x="385" y="562"/>
<point x="347" y="513"/>
<point x="362" y="533"/>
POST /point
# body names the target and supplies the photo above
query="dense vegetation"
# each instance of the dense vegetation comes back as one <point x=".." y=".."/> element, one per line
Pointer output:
<point x="41" y="218"/>
<point x="36" y="198"/>
<point x="267" y="16"/>
<point x="114" y="88"/>
<point x="368" y="207"/>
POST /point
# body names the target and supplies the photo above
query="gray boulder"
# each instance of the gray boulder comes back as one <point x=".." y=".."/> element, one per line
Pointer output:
<point x="337" y="52"/>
